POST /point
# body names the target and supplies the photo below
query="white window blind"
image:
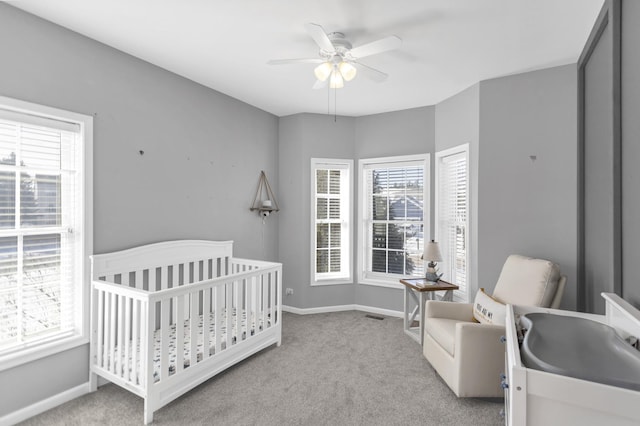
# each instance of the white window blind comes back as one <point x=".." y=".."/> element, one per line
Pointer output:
<point x="395" y="203"/>
<point x="41" y="255"/>
<point x="453" y="217"/>
<point x="331" y="217"/>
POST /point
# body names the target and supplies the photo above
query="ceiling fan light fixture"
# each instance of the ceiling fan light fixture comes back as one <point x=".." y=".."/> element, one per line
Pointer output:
<point x="347" y="70"/>
<point x="323" y="71"/>
<point x="336" y="81"/>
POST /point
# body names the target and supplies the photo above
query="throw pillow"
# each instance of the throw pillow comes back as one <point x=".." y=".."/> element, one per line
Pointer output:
<point x="487" y="310"/>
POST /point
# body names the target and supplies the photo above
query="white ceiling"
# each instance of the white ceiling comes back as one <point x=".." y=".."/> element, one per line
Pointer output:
<point x="448" y="45"/>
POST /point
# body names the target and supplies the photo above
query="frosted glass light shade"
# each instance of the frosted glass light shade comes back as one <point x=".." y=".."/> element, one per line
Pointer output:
<point x="432" y="252"/>
<point x="323" y="71"/>
<point x="336" y="81"/>
<point x="347" y="70"/>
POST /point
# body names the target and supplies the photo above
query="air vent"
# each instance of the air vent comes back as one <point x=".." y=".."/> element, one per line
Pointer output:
<point x="375" y="317"/>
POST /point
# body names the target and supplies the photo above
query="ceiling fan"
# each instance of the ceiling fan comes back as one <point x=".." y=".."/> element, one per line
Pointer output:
<point x="338" y="60"/>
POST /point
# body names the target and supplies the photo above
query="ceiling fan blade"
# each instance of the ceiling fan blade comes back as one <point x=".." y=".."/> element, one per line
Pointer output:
<point x="318" y="35"/>
<point x="295" y="61"/>
<point x="320" y="84"/>
<point x="375" y="47"/>
<point x="372" y="73"/>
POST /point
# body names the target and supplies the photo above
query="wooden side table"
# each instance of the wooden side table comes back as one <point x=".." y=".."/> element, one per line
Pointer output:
<point x="419" y="290"/>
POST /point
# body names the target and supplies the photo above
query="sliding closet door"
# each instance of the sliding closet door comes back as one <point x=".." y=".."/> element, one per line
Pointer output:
<point x="630" y="97"/>
<point x="599" y="147"/>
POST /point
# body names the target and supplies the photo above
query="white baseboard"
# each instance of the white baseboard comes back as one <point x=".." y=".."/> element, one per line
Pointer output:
<point x="340" y="308"/>
<point x="44" y="405"/>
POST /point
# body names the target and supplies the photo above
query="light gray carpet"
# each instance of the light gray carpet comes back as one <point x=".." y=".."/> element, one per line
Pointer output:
<point x="332" y="369"/>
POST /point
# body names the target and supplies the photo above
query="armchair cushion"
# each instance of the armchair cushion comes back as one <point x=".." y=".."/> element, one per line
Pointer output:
<point x="527" y="281"/>
<point x="488" y="310"/>
<point x="443" y="331"/>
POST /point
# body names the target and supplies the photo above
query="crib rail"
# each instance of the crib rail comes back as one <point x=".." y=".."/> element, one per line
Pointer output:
<point x="150" y="325"/>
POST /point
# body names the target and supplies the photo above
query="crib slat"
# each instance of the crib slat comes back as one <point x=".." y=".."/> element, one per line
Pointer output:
<point x="164" y="342"/>
<point x="206" y="309"/>
<point x="127" y="339"/>
<point x="100" y="325"/>
<point x="179" y="303"/>
<point x="149" y="319"/>
<point x="229" y="312"/>
<point x="121" y="326"/>
<point x="193" y="325"/>
<point x="249" y="305"/>
<point x="219" y="306"/>
<point x="175" y="280"/>
<point x="239" y="309"/>
<point x="164" y="279"/>
<point x="272" y="299"/>
<point x="136" y="347"/>
<point x="265" y="293"/>
<point x="112" y="332"/>
<point x="214" y="268"/>
<point x="107" y="330"/>
<point x="139" y="277"/>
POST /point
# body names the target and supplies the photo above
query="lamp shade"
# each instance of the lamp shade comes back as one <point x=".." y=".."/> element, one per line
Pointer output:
<point x="323" y="71"/>
<point x="432" y="252"/>
<point x="347" y="70"/>
<point x="336" y="81"/>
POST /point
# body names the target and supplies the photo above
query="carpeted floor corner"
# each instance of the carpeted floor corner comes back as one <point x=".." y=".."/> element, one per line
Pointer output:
<point x="338" y="368"/>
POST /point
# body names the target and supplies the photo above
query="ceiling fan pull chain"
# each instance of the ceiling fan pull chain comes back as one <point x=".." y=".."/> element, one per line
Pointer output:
<point x="335" y="105"/>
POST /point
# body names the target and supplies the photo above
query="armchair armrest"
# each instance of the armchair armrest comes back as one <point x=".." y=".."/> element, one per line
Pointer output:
<point x="450" y="310"/>
<point x="480" y="355"/>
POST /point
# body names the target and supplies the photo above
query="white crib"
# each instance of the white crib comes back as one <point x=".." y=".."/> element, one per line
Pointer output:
<point x="142" y="298"/>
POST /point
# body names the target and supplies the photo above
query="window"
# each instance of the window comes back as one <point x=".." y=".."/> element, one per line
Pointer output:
<point x="45" y="232"/>
<point x="452" y="216"/>
<point x="394" y="206"/>
<point x="331" y="183"/>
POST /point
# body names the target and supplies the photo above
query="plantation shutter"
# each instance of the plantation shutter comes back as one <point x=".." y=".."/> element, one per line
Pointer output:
<point x="39" y="196"/>
<point x="331" y="216"/>
<point x="452" y="220"/>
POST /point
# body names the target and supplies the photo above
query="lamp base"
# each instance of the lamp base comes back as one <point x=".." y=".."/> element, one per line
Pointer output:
<point x="431" y="276"/>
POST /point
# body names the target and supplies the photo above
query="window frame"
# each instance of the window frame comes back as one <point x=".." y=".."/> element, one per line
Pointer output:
<point x="345" y="276"/>
<point x="458" y="295"/>
<point x="57" y="344"/>
<point x="378" y="278"/>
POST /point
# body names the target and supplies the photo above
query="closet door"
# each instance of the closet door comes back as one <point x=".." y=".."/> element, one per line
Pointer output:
<point x="630" y="99"/>
<point x="600" y="246"/>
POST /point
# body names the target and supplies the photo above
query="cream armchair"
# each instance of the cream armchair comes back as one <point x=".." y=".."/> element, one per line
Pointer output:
<point x="469" y="355"/>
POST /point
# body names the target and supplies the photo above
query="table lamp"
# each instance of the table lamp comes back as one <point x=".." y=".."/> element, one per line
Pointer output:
<point x="432" y="254"/>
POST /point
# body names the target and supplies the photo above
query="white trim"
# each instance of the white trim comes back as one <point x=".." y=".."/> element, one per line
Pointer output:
<point x="459" y="149"/>
<point x="331" y="278"/>
<point x="342" y="308"/>
<point x="44" y="405"/>
<point x="398" y="161"/>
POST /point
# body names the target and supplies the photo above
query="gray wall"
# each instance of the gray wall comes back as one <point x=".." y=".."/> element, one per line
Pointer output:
<point x="303" y="136"/>
<point x="457" y="123"/>
<point x="195" y="180"/>
<point x="404" y="132"/>
<point x="631" y="151"/>
<point x="599" y="208"/>
<point x="196" y="143"/>
<point x="524" y="206"/>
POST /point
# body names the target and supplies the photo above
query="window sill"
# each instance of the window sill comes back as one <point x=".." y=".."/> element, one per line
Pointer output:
<point x="24" y="356"/>
<point x="334" y="281"/>
<point x="382" y="282"/>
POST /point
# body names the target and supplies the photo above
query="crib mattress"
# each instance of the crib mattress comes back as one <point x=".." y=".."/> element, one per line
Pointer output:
<point x="255" y="324"/>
